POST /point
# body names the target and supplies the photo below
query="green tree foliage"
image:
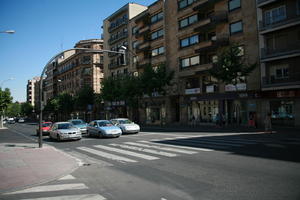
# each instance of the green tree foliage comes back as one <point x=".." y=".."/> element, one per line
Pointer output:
<point x="231" y="66"/>
<point x="13" y="110"/>
<point x="84" y="97"/>
<point x="5" y="99"/>
<point x="26" y="109"/>
<point x="65" y="103"/>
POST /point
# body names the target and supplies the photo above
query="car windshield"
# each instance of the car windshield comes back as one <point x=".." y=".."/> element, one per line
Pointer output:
<point x="105" y="123"/>
<point x="65" y="126"/>
<point x="76" y="122"/>
<point x="124" y="121"/>
<point x="46" y="124"/>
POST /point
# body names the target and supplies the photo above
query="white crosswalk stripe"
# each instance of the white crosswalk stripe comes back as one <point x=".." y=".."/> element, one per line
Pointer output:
<point x="52" y="188"/>
<point x="68" y="177"/>
<point x="174" y="145"/>
<point x="130" y="153"/>
<point x="145" y="150"/>
<point x="162" y="148"/>
<point x="106" y="155"/>
<point x="72" y="197"/>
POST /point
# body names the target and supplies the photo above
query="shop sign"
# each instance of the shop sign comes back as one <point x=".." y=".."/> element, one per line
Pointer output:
<point x="286" y="94"/>
<point x="239" y="87"/>
<point x="192" y="91"/>
<point x="210" y="88"/>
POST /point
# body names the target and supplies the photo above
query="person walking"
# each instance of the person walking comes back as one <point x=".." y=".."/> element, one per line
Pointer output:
<point x="268" y="124"/>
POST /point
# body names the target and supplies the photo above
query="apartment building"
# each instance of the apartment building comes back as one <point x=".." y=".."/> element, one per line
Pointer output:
<point x="202" y="29"/>
<point x="77" y="68"/>
<point x="33" y="91"/>
<point x="186" y="36"/>
<point x="279" y="42"/>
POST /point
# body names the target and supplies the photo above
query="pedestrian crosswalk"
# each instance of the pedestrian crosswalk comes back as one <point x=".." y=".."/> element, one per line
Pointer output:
<point x="61" y="189"/>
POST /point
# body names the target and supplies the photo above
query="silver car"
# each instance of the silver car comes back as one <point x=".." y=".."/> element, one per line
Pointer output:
<point x="64" y="131"/>
<point x="126" y="125"/>
<point x="103" y="128"/>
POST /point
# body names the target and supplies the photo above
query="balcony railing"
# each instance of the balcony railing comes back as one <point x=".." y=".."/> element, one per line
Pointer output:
<point x="290" y="49"/>
<point x="142" y="31"/>
<point x="283" y="23"/>
<point x="119" y="37"/>
<point x="264" y="2"/>
<point x="118" y="24"/>
<point x="214" y="43"/>
<point x="271" y="81"/>
<point x="205" y="5"/>
<point x="217" y="18"/>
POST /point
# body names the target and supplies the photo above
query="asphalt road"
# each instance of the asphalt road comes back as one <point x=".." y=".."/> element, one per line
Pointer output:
<point x="175" y="166"/>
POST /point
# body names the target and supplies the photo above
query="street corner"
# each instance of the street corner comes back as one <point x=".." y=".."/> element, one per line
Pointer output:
<point x="24" y="165"/>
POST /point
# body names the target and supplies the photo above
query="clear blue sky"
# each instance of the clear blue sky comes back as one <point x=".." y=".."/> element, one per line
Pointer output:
<point x="44" y="28"/>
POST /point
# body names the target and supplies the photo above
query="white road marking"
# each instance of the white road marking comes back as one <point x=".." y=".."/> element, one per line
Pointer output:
<point x="130" y="153"/>
<point x="72" y="197"/>
<point x="52" y="188"/>
<point x="145" y="150"/>
<point x="68" y="177"/>
<point x="106" y="155"/>
<point x="177" y="146"/>
<point x="162" y="148"/>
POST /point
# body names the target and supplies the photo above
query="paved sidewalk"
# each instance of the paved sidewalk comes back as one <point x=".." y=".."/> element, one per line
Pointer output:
<point x="24" y="165"/>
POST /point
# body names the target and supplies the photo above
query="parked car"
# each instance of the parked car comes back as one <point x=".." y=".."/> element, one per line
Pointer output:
<point x="11" y="121"/>
<point x="126" y="125"/>
<point x="21" y="120"/>
<point x="79" y="124"/>
<point x="64" y="131"/>
<point x="45" y="128"/>
<point x="103" y="128"/>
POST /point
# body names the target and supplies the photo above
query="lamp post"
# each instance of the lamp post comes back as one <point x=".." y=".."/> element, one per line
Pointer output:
<point x="2" y="111"/>
<point x="122" y="51"/>
<point x="8" y="31"/>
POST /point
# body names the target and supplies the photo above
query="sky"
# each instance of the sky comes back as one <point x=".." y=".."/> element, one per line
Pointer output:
<point x="43" y="29"/>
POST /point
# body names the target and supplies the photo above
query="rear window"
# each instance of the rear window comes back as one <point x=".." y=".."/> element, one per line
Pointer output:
<point x="65" y="126"/>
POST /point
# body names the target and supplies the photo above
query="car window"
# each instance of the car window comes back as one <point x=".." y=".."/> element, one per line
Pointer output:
<point x="105" y="123"/>
<point x="125" y="121"/>
<point x="65" y="126"/>
<point x="46" y="124"/>
<point x="76" y="122"/>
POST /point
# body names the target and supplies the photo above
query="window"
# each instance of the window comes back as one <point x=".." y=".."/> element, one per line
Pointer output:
<point x="236" y="27"/>
<point x="135" y="30"/>
<point x="188" y="21"/>
<point x="134" y="44"/>
<point x="275" y="15"/>
<point x="187" y="62"/>
<point x="157" y="17"/>
<point x="189" y="41"/>
<point x="279" y="71"/>
<point x="185" y="3"/>
<point x="234" y="4"/>
<point x="157" y="34"/>
<point x="158" y="51"/>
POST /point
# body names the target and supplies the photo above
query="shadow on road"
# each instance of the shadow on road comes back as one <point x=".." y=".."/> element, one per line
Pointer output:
<point x="272" y="146"/>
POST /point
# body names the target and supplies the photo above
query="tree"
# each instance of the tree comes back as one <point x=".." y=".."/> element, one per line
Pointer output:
<point x="26" y="109"/>
<point x="65" y="103"/>
<point x="13" y="109"/>
<point x="231" y="66"/>
<point x="155" y="80"/>
<point x="5" y="100"/>
<point x="84" y="97"/>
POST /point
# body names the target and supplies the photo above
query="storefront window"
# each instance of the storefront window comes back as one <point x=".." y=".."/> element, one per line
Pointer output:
<point x="282" y="112"/>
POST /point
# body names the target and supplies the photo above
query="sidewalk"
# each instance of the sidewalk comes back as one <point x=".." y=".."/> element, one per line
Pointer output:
<point x="24" y="165"/>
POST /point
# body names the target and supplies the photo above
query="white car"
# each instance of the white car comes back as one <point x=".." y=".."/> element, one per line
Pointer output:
<point x="21" y="120"/>
<point x="126" y="125"/>
<point x="64" y="131"/>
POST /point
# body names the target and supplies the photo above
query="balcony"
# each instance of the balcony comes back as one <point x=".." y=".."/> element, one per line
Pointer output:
<point x="271" y="81"/>
<point x="210" y="22"/>
<point x="214" y="43"/>
<point x="143" y="46"/>
<point x="119" y="37"/>
<point x="261" y="3"/>
<point x="205" y="5"/>
<point x="117" y="25"/>
<point x="288" y="22"/>
<point x="290" y="50"/>
<point x="144" y="30"/>
<point x="142" y="64"/>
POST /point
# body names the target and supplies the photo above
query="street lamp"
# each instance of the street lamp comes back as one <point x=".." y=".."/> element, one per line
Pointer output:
<point x="1" y="118"/>
<point x="121" y="51"/>
<point x="8" y="31"/>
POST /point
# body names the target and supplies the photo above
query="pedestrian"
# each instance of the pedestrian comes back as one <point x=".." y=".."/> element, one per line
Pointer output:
<point x="268" y="124"/>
